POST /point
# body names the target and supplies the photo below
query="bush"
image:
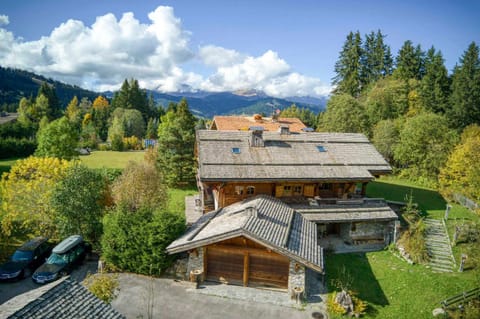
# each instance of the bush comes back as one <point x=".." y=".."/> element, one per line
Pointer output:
<point x="136" y="241"/>
<point x="15" y="147"/>
<point x="132" y="143"/>
<point x="103" y="286"/>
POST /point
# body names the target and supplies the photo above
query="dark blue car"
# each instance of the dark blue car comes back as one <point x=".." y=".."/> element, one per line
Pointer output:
<point x="26" y="259"/>
<point x="65" y="256"/>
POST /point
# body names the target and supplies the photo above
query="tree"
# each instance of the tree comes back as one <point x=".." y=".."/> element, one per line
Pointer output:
<point x="176" y="140"/>
<point x="101" y="114"/>
<point x="388" y="99"/>
<point x="409" y="62"/>
<point x="58" y="139"/>
<point x="435" y="86"/>
<point x="308" y="117"/>
<point x="425" y="142"/>
<point x="26" y="197"/>
<point x="79" y="200"/>
<point x="348" y="66"/>
<point x="72" y="112"/>
<point x="152" y="129"/>
<point x="376" y="59"/>
<point x="140" y="185"/>
<point x="344" y="114"/>
<point x="131" y="96"/>
<point x="465" y="97"/>
<point x="136" y="242"/>
<point x="53" y="103"/>
<point x="386" y="135"/>
<point x="461" y="173"/>
<point x="116" y="133"/>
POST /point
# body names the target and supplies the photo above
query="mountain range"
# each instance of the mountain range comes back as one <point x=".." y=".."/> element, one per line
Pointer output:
<point x="15" y="84"/>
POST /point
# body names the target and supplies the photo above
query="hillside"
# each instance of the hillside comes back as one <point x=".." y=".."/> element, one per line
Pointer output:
<point x="15" y="84"/>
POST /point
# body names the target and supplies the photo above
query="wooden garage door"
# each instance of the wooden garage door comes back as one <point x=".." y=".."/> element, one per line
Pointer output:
<point x="224" y="265"/>
<point x="253" y="267"/>
<point x="268" y="270"/>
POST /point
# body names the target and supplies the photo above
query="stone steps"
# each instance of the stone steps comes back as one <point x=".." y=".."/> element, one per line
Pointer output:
<point x="438" y="246"/>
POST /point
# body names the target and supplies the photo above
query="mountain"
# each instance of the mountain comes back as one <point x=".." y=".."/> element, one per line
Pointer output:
<point x="207" y="104"/>
<point x="15" y="84"/>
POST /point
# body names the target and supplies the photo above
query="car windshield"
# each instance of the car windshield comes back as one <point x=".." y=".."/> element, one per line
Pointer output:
<point x="21" y="255"/>
<point x="57" y="259"/>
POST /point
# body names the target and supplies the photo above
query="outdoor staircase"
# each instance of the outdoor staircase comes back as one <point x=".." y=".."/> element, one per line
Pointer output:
<point x="438" y="246"/>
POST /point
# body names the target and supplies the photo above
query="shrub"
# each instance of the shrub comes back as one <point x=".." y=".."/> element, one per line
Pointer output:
<point x="132" y="143"/>
<point x="16" y="147"/>
<point x="333" y="306"/>
<point x="103" y="286"/>
<point x="136" y="241"/>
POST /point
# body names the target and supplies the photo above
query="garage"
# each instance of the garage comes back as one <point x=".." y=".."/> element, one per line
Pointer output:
<point x="240" y="261"/>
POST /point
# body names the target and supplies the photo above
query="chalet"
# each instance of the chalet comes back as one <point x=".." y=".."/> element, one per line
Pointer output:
<point x="243" y="123"/>
<point x="272" y="201"/>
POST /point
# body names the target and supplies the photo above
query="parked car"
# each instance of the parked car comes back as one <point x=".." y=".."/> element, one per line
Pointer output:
<point x="65" y="256"/>
<point x="26" y="259"/>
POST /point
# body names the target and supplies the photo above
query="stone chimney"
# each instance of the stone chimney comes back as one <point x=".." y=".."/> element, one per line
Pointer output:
<point x="256" y="136"/>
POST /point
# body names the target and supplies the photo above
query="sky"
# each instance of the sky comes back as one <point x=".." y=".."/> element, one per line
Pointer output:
<point x="281" y="47"/>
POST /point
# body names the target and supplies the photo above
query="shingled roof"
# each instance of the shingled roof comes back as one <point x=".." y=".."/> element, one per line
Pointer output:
<point x="62" y="299"/>
<point x="264" y="219"/>
<point x="295" y="156"/>
<point x="243" y="123"/>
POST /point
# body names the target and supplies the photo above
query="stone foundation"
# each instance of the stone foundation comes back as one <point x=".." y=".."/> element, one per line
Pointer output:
<point x="195" y="261"/>
<point x="296" y="279"/>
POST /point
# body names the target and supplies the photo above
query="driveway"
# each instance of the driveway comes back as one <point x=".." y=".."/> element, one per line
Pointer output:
<point x="9" y="290"/>
<point x="144" y="297"/>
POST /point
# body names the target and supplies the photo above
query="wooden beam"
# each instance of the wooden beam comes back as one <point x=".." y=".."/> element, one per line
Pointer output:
<point x="205" y="262"/>
<point x="246" y="266"/>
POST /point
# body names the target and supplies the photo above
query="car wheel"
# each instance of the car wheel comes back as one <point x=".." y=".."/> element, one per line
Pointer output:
<point x="63" y="273"/>
<point x="22" y="275"/>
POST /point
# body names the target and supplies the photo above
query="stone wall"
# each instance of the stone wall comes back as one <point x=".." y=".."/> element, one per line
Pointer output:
<point x="296" y="278"/>
<point x="195" y="261"/>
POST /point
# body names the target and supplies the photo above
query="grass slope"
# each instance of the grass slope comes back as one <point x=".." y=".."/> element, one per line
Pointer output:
<point x="392" y="287"/>
<point x="111" y="159"/>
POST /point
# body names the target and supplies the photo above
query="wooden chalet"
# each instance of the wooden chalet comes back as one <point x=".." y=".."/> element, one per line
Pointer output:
<point x="271" y="198"/>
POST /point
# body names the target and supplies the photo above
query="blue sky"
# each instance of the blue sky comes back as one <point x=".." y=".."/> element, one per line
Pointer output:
<point x="281" y="47"/>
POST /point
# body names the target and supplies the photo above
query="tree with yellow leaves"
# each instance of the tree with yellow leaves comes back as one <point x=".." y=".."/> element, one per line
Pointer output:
<point x="461" y="173"/>
<point x="25" y="194"/>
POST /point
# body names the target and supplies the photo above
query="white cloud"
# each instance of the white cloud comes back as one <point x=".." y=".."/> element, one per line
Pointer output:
<point x="102" y="55"/>
<point x="217" y="56"/>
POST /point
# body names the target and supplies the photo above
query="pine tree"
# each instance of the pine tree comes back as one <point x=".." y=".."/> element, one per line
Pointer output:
<point x="434" y="87"/>
<point x="176" y="140"/>
<point x="376" y="58"/>
<point x="54" y="107"/>
<point x="409" y="62"/>
<point x="465" y="97"/>
<point x="348" y="66"/>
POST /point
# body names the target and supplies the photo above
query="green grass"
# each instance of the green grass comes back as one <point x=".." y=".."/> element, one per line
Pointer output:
<point x="392" y="287"/>
<point x="395" y="289"/>
<point x="176" y="199"/>
<point x="5" y="164"/>
<point x="111" y="159"/>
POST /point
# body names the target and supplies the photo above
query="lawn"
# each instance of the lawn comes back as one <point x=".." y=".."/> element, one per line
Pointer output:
<point x="111" y="159"/>
<point x="392" y="287"/>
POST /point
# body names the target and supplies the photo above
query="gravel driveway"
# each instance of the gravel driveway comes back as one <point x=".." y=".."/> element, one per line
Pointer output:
<point x="144" y="297"/>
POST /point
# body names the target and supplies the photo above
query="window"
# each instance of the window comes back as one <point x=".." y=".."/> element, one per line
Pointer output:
<point x="238" y="190"/>
<point x="235" y="150"/>
<point x="321" y="148"/>
<point x="287" y="188"/>
<point x="250" y="190"/>
<point x="297" y="190"/>
<point x="325" y="186"/>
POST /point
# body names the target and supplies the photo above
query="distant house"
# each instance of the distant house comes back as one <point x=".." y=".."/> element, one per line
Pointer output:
<point x="274" y="200"/>
<point x="61" y="299"/>
<point x="244" y="123"/>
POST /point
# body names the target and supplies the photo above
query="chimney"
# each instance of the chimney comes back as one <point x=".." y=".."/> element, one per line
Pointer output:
<point x="284" y="129"/>
<point x="256" y="136"/>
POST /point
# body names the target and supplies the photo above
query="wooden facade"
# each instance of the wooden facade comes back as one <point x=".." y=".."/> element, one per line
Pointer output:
<point x="241" y="261"/>
<point x="217" y="195"/>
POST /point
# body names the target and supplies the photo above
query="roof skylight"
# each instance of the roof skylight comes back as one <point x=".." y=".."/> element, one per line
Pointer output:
<point x="321" y="148"/>
<point x="235" y="150"/>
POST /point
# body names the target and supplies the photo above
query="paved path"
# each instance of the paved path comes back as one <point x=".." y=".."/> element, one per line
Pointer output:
<point x="167" y="298"/>
<point x="438" y="246"/>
